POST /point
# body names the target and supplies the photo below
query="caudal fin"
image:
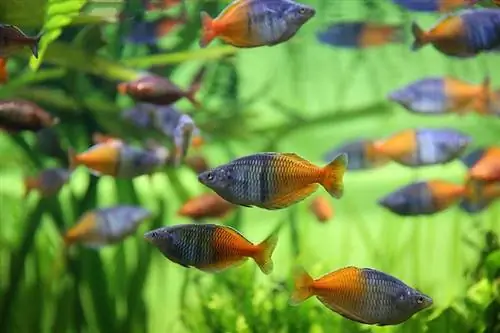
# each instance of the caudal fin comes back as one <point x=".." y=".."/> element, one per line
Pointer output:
<point x="263" y="256"/>
<point x="419" y="36"/>
<point x="35" y="45"/>
<point x="333" y="179"/>
<point x="303" y="284"/>
<point x="208" y="33"/>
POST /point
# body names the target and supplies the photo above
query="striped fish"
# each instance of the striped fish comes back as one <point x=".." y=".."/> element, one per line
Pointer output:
<point x="361" y="154"/>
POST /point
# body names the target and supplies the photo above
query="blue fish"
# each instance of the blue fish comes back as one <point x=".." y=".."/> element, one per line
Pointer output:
<point x="434" y="5"/>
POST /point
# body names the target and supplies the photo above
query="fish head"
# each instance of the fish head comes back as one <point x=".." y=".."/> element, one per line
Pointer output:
<point x="415" y="301"/>
<point x="219" y="179"/>
<point x="405" y="97"/>
<point x="451" y="143"/>
<point x="166" y="239"/>
<point x="298" y="14"/>
<point x="396" y="202"/>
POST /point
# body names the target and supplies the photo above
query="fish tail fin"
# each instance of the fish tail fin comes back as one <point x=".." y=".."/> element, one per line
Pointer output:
<point x="208" y="32"/>
<point x="36" y="43"/>
<point x="333" y="175"/>
<point x="72" y="158"/>
<point x="195" y="86"/>
<point x="303" y="287"/>
<point x="266" y="249"/>
<point x="419" y="35"/>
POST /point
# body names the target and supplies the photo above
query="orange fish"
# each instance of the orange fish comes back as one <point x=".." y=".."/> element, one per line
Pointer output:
<point x="208" y="205"/>
<point x="488" y="166"/>
<point x="322" y="209"/>
<point x="4" y="75"/>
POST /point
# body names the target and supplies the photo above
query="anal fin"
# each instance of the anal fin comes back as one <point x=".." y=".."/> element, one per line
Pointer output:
<point x="285" y="200"/>
<point x="222" y="265"/>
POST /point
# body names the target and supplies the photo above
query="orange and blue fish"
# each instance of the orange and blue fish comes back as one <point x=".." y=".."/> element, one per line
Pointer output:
<point x="363" y="295"/>
<point x="361" y="153"/>
<point x="438" y="95"/>
<point x="442" y="6"/>
<point x="420" y="147"/>
<point x="480" y="195"/>
<point x="360" y="34"/>
<point x="105" y="226"/>
<point x="48" y="182"/>
<point x="149" y="32"/>
<point x="211" y="247"/>
<point x="464" y="34"/>
<point x="484" y="164"/>
<point x="253" y="23"/>
<point x="423" y="198"/>
<point x="274" y="180"/>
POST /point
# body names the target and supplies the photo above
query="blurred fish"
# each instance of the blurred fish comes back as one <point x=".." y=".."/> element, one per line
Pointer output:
<point x="48" y="142"/>
<point x="322" y="209"/>
<point x="105" y="226"/>
<point x="211" y="247"/>
<point x="118" y="160"/>
<point x="423" y="198"/>
<point x="197" y="163"/>
<point x="149" y="32"/>
<point x="98" y="138"/>
<point x="363" y="295"/>
<point x="4" y="75"/>
<point x="20" y="115"/>
<point x="361" y="153"/>
<point x="208" y="205"/>
<point x="473" y="157"/>
<point x="442" y="6"/>
<point x="487" y="167"/>
<point x="464" y="34"/>
<point x="420" y="147"/>
<point x="48" y="182"/>
<point x="274" y="180"/>
<point x="359" y="34"/>
<point x="442" y="95"/>
<point x="252" y="23"/>
<point x="480" y="195"/>
<point x="13" y="40"/>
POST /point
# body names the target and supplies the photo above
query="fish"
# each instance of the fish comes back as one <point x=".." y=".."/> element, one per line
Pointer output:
<point x="462" y="35"/>
<point x="4" y="74"/>
<point x="48" y="182"/>
<point x="360" y="34"/>
<point x="21" y="115"/>
<point x="421" y="147"/>
<point x="438" y="95"/>
<point x="322" y="209"/>
<point x="480" y="195"/>
<point x="254" y="23"/>
<point x="423" y="198"/>
<point x="208" y="205"/>
<point x="274" y="180"/>
<point x="149" y="32"/>
<point x="13" y="40"/>
<point x="118" y="160"/>
<point x="211" y="247"/>
<point x="105" y="226"/>
<point x="442" y="6"/>
<point x="487" y="167"/>
<point x="363" y="295"/>
<point x="361" y="154"/>
<point x="197" y="163"/>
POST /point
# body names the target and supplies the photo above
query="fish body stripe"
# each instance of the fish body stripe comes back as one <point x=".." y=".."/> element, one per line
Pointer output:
<point x="482" y="29"/>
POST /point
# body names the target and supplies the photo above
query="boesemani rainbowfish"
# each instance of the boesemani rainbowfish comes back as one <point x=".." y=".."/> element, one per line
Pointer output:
<point x="423" y="198"/>
<point x="274" y="180"/>
<point x="480" y="195"/>
<point x="21" y="115"/>
<point x="442" y="6"/>
<point x="208" y="205"/>
<point x="105" y="226"/>
<point x="420" y="147"/>
<point x="360" y="34"/>
<point x="322" y="209"/>
<point x="361" y="153"/>
<point x="437" y="95"/>
<point x="464" y="34"/>
<point x="253" y="23"/>
<point x="48" y="182"/>
<point x="211" y="247"/>
<point x="363" y="295"/>
<point x="13" y="40"/>
<point x="484" y="164"/>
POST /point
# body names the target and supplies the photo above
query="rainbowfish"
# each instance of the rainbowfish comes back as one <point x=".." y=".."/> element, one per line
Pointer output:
<point x="443" y="95"/>
<point x="484" y="164"/>
<point x="480" y="195"/>
<point x="149" y="32"/>
<point x="464" y="34"/>
<point x="274" y="180"/>
<point x="442" y="6"/>
<point x="105" y="226"/>
<point x="13" y="40"/>
<point x="20" y="115"/>
<point x="253" y="23"/>
<point x="322" y="209"/>
<point x="423" y="198"/>
<point x="208" y="205"/>
<point x="211" y="247"/>
<point x="48" y="182"/>
<point x="358" y="34"/>
<point x="4" y="74"/>
<point x="361" y="153"/>
<point x="363" y="295"/>
<point x="420" y="147"/>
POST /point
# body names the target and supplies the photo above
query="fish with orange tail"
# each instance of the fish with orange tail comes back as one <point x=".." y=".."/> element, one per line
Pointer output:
<point x="211" y="247"/>
<point x="253" y="23"/>
<point x="363" y="295"/>
<point x="208" y="205"/>
<point x="21" y="115"/>
<point x="322" y="208"/>
<point x="274" y="180"/>
<point x="423" y="198"/>
<point x="361" y="153"/>
<point x="424" y="146"/>
<point x="484" y="164"/>
<point x="480" y="195"/>
<point x="106" y="226"/>
<point x="48" y="182"/>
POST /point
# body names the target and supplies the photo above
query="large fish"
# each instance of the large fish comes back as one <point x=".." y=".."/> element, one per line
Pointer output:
<point x="442" y="6"/>
<point x="361" y="153"/>
<point x="20" y="115"/>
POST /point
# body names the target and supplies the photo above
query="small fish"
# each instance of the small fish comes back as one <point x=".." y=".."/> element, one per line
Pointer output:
<point x="487" y="167"/>
<point x="361" y="153"/>
<point x="442" y="6"/>
<point x="105" y="226"/>
<point x="322" y="209"/>
<point x="274" y="180"/>
<point x="420" y="147"/>
<point x="464" y="34"/>
<point x="48" y="182"/>
<point x="423" y="198"/>
<point x="363" y="295"/>
<point x="149" y="32"/>
<point x="20" y="115"/>
<point x="359" y="35"/>
<point x="197" y="163"/>
<point x="208" y="205"/>
<point x="211" y="247"/>
<point x="4" y="74"/>
<point x="443" y="95"/>
<point x="13" y="40"/>
<point x="480" y="195"/>
<point x="253" y="23"/>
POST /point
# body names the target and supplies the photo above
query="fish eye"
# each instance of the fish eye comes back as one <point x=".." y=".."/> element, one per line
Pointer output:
<point x="302" y="10"/>
<point x="420" y="300"/>
<point x="210" y="176"/>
